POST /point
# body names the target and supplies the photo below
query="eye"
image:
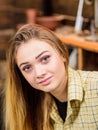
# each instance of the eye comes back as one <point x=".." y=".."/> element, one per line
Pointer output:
<point x="45" y="59"/>
<point x="27" y="68"/>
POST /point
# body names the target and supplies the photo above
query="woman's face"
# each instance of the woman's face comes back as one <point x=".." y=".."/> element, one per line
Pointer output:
<point x="41" y="65"/>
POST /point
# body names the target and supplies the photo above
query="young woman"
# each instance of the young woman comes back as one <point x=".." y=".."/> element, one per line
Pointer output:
<point x="43" y="92"/>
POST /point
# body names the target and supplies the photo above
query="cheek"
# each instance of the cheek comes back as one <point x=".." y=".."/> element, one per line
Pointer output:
<point x="59" y="68"/>
<point x="29" y="78"/>
<point x="58" y="65"/>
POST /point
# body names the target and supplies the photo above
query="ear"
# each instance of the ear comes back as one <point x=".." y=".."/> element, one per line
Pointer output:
<point x="63" y="58"/>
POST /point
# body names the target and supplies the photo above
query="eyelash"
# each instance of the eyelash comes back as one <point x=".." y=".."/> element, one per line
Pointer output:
<point x="28" y="67"/>
<point x="45" y="59"/>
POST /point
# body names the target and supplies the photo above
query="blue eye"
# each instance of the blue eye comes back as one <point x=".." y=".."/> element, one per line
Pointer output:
<point x="27" y="68"/>
<point x="45" y="59"/>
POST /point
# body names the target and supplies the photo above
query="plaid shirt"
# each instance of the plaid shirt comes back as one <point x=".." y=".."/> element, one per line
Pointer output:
<point x="82" y="110"/>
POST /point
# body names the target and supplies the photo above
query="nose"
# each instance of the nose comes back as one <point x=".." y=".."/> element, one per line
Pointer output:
<point x="40" y="71"/>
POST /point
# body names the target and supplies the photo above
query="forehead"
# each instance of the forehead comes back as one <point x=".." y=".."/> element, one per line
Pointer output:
<point x="34" y="44"/>
<point x="32" y="48"/>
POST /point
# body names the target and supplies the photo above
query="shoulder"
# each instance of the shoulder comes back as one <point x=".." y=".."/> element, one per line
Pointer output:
<point x="88" y="75"/>
<point x="88" y="78"/>
<point x="89" y="81"/>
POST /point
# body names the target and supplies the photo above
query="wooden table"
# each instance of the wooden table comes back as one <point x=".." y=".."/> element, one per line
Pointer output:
<point x="81" y="43"/>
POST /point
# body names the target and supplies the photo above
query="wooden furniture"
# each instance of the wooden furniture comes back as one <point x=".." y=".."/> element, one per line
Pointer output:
<point x="81" y="43"/>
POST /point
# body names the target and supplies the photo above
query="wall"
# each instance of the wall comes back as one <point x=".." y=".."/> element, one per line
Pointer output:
<point x="68" y="7"/>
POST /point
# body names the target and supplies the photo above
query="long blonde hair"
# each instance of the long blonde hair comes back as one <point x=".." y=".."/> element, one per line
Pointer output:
<point x="26" y="107"/>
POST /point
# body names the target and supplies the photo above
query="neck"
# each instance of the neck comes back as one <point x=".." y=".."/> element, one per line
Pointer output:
<point x="61" y="92"/>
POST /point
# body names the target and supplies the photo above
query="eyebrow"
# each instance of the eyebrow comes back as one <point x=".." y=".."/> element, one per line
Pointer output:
<point x="40" y="54"/>
<point x="23" y="63"/>
<point x="35" y="58"/>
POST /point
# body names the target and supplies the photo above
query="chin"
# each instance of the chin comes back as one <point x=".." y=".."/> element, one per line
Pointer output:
<point x="49" y="89"/>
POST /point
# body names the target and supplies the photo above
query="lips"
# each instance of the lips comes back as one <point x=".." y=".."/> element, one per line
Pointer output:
<point x="45" y="81"/>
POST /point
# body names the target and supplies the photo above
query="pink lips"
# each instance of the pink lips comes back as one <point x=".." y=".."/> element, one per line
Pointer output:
<point x="45" y="81"/>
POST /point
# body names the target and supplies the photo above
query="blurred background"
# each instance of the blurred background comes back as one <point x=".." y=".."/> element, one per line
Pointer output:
<point x="13" y="12"/>
<point x="75" y="21"/>
<point x="58" y="15"/>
